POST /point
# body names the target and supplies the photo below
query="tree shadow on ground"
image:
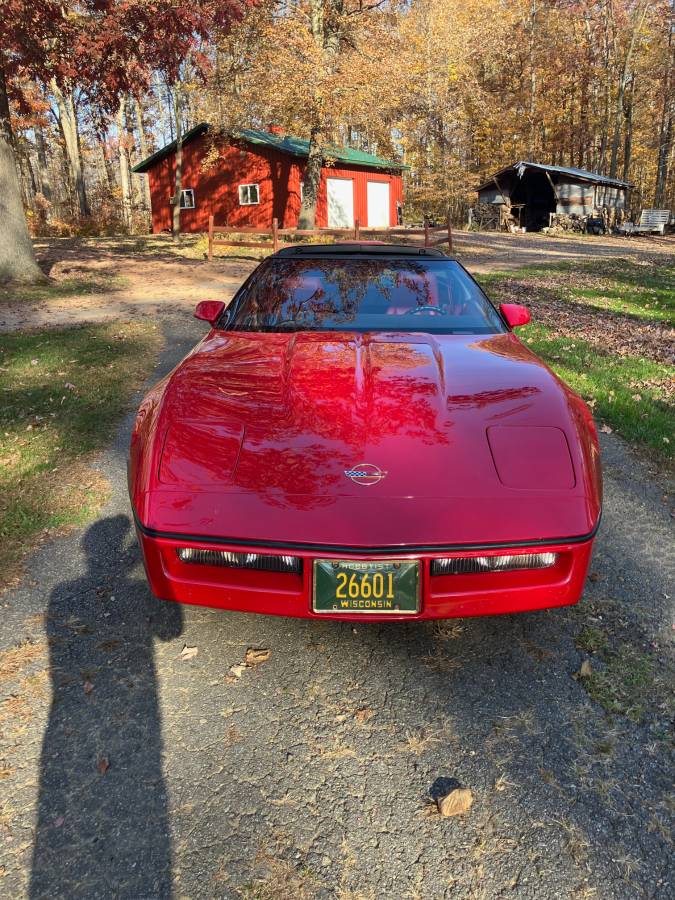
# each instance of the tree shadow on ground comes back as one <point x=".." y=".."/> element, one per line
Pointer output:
<point x="79" y="252"/>
<point x="103" y="826"/>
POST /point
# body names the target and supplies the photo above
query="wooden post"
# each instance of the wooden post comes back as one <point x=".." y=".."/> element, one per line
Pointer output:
<point x="210" y="238"/>
<point x="449" y="233"/>
<point x="275" y="234"/>
<point x="357" y="230"/>
<point x="426" y="232"/>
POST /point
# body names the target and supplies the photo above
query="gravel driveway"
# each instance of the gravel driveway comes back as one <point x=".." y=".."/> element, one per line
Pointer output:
<point x="136" y="769"/>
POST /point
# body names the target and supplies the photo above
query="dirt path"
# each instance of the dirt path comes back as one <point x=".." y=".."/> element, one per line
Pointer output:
<point x="132" y="769"/>
<point x="491" y="252"/>
<point x="142" y="285"/>
<point x="158" y="282"/>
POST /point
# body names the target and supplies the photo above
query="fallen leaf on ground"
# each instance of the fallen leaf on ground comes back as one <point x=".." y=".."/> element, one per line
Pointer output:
<point x="235" y="672"/>
<point x="362" y="715"/>
<point x="103" y="764"/>
<point x="255" y="656"/>
<point x="87" y="687"/>
<point x="586" y="669"/>
<point x="456" y="802"/>
<point x="188" y="652"/>
<point x="606" y="429"/>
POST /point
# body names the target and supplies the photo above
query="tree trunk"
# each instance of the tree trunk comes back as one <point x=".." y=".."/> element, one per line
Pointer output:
<point x="125" y="180"/>
<point x="310" y="192"/>
<point x="17" y="258"/>
<point x="624" y="82"/>
<point x="145" y="152"/>
<point x="533" y="81"/>
<point x="607" y="57"/>
<point x="43" y="165"/>
<point x="71" y="137"/>
<point x="106" y="162"/>
<point x="628" y="129"/>
<point x="667" y="117"/>
<point x="327" y="37"/>
<point x="178" y="186"/>
<point x="665" y="147"/>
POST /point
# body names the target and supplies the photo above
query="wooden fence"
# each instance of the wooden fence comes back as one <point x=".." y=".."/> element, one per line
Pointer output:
<point x="433" y="236"/>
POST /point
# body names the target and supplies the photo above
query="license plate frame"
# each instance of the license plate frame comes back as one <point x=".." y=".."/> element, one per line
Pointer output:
<point x="405" y="584"/>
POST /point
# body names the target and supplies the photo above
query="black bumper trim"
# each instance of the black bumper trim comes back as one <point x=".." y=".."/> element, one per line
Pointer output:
<point x="363" y="551"/>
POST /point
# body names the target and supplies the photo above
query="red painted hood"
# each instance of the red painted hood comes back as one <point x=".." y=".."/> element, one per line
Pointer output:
<point x="479" y="441"/>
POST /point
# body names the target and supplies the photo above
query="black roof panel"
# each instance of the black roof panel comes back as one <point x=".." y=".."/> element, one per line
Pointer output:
<point x="358" y="248"/>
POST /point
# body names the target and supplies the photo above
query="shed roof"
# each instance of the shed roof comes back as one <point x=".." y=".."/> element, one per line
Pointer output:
<point x="294" y="146"/>
<point x="578" y="174"/>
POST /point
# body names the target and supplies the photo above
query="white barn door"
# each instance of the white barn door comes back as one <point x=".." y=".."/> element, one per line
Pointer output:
<point x="378" y="204"/>
<point x="340" y="202"/>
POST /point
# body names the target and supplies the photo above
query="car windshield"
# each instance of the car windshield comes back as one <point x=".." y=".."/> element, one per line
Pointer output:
<point x="347" y="294"/>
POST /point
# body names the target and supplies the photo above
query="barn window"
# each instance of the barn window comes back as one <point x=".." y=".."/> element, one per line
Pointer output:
<point x="248" y="195"/>
<point x="187" y="199"/>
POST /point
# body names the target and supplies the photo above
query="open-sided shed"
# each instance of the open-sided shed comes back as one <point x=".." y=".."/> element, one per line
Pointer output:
<point x="534" y="191"/>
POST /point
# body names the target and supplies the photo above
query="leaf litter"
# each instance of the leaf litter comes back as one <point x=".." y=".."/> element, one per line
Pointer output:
<point x="253" y="657"/>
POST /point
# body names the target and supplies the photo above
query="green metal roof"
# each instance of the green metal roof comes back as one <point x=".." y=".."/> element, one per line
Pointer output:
<point x="294" y="146"/>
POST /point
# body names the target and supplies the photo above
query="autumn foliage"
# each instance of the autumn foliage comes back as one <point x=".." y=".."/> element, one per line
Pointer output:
<point x="458" y="88"/>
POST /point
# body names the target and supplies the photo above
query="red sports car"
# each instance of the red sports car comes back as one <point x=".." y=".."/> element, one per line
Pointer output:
<point x="360" y="435"/>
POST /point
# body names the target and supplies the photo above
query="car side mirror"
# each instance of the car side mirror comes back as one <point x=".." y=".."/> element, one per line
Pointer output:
<point x="209" y="310"/>
<point x="515" y="314"/>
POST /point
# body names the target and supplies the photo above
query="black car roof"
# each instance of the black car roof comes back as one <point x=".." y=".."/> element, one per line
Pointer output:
<point x="357" y="248"/>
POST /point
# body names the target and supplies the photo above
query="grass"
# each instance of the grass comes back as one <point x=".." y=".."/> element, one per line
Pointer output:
<point x="629" y="393"/>
<point x="643" y="289"/>
<point x="626" y="682"/>
<point x="627" y="676"/>
<point x="60" y="290"/>
<point x="61" y="394"/>
<point x="585" y="314"/>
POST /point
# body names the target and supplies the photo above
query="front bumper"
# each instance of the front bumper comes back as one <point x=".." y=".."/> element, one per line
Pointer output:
<point x="441" y="596"/>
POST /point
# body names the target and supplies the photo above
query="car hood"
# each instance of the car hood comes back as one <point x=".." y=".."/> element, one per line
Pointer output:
<point x="462" y="422"/>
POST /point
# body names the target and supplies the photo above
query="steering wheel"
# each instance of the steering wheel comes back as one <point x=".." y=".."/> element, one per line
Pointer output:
<point x="424" y="309"/>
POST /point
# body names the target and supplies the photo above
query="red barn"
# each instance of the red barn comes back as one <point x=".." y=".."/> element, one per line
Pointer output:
<point x="258" y="176"/>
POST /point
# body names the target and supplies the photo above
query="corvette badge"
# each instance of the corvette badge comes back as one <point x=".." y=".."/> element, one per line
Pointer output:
<point x="365" y="473"/>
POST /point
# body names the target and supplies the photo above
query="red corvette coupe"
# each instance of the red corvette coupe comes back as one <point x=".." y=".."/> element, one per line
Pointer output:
<point x="360" y="435"/>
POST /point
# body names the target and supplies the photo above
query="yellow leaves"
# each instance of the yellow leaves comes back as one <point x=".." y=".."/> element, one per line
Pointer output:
<point x="465" y="85"/>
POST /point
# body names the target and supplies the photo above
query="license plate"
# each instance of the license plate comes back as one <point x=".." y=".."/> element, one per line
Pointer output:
<point x="377" y="586"/>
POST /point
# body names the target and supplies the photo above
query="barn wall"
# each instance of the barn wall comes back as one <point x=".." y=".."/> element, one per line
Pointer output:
<point x="575" y="197"/>
<point x="582" y="198"/>
<point x="360" y="176"/>
<point x="491" y="195"/>
<point x="277" y="174"/>
<point x="611" y="197"/>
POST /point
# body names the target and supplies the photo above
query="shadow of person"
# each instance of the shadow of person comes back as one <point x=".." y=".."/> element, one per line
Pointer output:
<point x="103" y="826"/>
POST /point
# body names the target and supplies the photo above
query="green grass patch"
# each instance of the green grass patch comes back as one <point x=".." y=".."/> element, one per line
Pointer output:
<point x="625" y="684"/>
<point x="643" y="290"/>
<point x="592" y="640"/>
<point x="629" y="393"/>
<point x="60" y="290"/>
<point x="61" y="395"/>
